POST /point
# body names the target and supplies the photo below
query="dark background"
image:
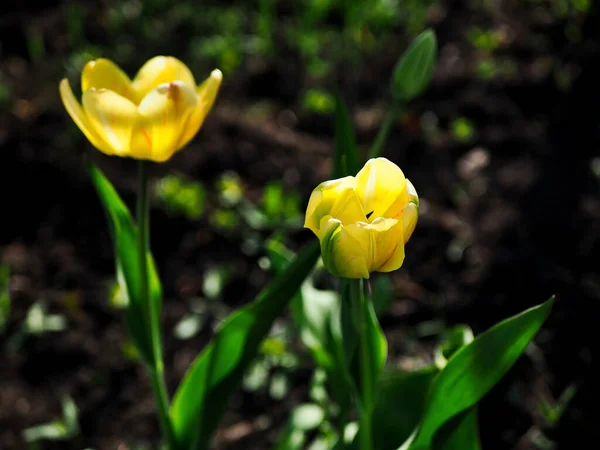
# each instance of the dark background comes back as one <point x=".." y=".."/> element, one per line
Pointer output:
<point x="503" y="150"/>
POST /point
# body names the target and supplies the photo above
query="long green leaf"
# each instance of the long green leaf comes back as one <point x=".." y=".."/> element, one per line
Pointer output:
<point x="459" y="433"/>
<point x="124" y="233"/>
<point x="400" y="405"/>
<point x="209" y="383"/>
<point x="474" y="369"/>
<point x="346" y="160"/>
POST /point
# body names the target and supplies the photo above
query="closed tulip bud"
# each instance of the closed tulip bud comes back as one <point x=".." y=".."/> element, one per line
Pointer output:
<point x="148" y="118"/>
<point x="363" y="222"/>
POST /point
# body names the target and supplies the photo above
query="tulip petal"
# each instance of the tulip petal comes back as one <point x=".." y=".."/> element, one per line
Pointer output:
<point x="160" y="70"/>
<point x="348" y="208"/>
<point x="395" y="261"/>
<point x="412" y="193"/>
<point x="380" y="185"/>
<point x="207" y="93"/>
<point x="76" y="112"/>
<point x="378" y="240"/>
<point x="409" y="195"/>
<point x="336" y="198"/>
<point x="342" y="254"/>
<point x="389" y="244"/>
<point x="104" y="74"/>
<point x="410" y="217"/>
<point x="112" y="117"/>
<point x="162" y="114"/>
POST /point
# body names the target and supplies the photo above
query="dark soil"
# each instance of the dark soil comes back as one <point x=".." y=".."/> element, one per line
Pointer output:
<point x="508" y="219"/>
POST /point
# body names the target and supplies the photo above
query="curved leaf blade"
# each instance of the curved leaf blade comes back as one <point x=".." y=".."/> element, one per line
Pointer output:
<point x="474" y="369"/>
<point x="124" y="233"/>
<point x="400" y="405"/>
<point x="459" y="433"/>
<point x="205" y="391"/>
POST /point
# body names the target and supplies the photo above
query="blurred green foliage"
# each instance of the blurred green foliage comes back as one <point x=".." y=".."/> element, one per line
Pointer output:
<point x="324" y="33"/>
<point x="318" y="101"/>
<point x="235" y="212"/>
<point x="179" y="196"/>
<point x="5" y="91"/>
<point x="483" y="39"/>
<point x="463" y="130"/>
<point x="275" y="365"/>
<point x="62" y="429"/>
<point x="230" y="189"/>
<point x="279" y="205"/>
<point x="5" y="303"/>
<point x="37" y="323"/>
<point x="553" y="411"/>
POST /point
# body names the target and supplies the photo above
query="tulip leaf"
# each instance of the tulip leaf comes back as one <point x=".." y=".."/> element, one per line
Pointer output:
<point x="414" y="70"/>
<point x="205" y="391"/>
<point x="459" y="433"/>
<point x="316" y="313"/>
<point x="400" y="405"/>
<point x="346" y="159"/>
<point x="363" y="346"/>
<point x="376" y="350"/>
<point x="474" y="369"/>
<point x="124" y="233"/>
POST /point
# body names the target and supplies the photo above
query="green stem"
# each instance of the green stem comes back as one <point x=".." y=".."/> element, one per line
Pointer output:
<point x="385" y="129"/>
<point x="361" y="312"/>
<point x="161" y="397"/>
<point x="155" y="370"/>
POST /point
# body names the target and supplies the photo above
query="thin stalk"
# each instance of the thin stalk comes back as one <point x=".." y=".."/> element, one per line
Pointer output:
<point x="361" y="311"/>
<point x="161" y="398"/>
<point x="385" y="129"/>
<point x="156" y="370"/>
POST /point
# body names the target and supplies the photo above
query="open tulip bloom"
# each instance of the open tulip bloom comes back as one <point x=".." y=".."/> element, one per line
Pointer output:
<point x="363" y="222"/>
<point x="149" y="118"/>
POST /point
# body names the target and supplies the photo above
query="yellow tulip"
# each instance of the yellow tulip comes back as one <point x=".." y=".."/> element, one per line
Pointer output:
<point x="363" y="222"/>
<point x="151" y="117"/>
